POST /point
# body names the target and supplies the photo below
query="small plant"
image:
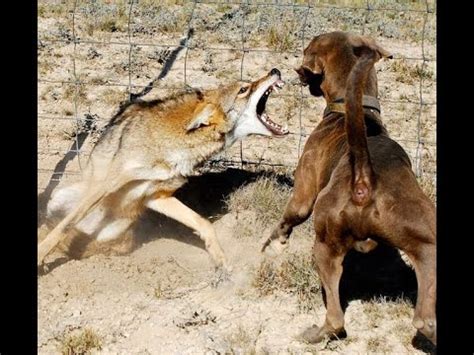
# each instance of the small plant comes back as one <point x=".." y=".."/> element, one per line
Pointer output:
<point x="74" y="92"/>
<point x="223" y="8"/>
<point x="409" y="74"/>
<point x="280" y="38"/>
<point x="258" y="205"/>
<point x="241" y="342"/>
<point x="296" y="275"/>
<point x="428" y="186"/>
<point x="80" y="343"/>
<point x="113" y="22"/>
<point x="52" y="10"/>
<point x="377" y="344"/>
<point x="423" y="72"/>
<point x="113" y="96"/>
<point x="379" y="308"/>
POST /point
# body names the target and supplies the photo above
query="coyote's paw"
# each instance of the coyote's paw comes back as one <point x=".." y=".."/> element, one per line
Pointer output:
<point x="222" y="274"/>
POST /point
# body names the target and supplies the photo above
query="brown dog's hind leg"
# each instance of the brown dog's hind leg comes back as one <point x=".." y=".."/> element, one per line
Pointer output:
<point x="328" y="263"/>
<point x="417" y="238"/>
<point x="424" y="261"/>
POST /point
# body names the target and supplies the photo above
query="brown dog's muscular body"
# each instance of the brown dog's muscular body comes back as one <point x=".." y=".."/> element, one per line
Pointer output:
<point x="357" y="181"/>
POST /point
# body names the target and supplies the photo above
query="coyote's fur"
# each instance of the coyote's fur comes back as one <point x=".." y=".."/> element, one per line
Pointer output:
<point x="147" y="151"/>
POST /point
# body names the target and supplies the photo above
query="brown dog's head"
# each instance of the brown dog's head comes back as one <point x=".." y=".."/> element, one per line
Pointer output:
<point x="328" y="60"/>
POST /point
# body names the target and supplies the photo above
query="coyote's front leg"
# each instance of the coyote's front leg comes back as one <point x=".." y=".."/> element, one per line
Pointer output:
<point x="173" y="208"/>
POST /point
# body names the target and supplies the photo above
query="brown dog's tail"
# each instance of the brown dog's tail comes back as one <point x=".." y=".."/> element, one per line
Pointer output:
<point x="362" y="171"/>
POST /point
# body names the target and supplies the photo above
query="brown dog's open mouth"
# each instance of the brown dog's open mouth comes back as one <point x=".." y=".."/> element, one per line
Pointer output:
<point x="274" y="128"/>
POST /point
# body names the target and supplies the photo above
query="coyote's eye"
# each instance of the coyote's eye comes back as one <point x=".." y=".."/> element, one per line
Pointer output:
<point x="243" y="89"/>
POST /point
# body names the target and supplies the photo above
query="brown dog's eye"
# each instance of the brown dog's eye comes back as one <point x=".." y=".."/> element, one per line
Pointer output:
<point x="242" y="90"/>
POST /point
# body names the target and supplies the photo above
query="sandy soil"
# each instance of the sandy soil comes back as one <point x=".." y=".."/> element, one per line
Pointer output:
<point x="166" y="298"/>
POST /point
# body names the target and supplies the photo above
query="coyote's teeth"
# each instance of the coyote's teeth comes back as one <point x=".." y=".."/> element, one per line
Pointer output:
<point x="285" y="128"/>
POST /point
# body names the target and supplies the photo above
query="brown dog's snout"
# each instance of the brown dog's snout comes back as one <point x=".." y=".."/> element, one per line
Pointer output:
<point x="275" y="71"/>
<point x="301" y="75"/>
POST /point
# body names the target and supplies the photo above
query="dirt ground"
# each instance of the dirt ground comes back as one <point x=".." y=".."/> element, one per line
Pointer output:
<point x="163" y="296"/>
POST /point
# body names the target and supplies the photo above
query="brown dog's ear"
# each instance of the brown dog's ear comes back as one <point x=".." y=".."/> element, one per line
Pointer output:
<point x="360" y="42"/>
<point x="305" y="74"/>
<point x="303" y="71"/>
<point x="309" y="65"/>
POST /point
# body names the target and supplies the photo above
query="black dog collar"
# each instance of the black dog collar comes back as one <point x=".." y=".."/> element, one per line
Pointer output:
<point x="338" y="105"/>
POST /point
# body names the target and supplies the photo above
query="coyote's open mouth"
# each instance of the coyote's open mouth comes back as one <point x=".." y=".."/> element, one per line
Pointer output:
<point x="273" y="127"/>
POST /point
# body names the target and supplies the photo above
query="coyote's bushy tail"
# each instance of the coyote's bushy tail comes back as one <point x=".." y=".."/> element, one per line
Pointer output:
<point x="363" y="178"/>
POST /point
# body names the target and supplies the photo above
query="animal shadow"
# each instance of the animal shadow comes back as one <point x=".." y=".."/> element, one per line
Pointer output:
<point x="380" y="273"/>
<point x="205" y="194"/>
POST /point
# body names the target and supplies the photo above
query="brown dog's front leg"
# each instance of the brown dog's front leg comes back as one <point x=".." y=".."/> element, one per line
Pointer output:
<point x="299" y="206"/>
<point x="297" y="211"/>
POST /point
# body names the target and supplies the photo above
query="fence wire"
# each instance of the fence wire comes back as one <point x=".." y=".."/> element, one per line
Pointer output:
<point x="304" y="15"/>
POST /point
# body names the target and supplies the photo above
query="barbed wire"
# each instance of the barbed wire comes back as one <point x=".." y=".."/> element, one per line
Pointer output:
<point x="305" y="6"/>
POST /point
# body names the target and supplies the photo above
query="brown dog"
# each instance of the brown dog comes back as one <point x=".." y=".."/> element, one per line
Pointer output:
<point x="357" y="181"/>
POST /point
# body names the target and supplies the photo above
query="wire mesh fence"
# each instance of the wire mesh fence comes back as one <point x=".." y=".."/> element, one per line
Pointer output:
<point x="94" y="54"/>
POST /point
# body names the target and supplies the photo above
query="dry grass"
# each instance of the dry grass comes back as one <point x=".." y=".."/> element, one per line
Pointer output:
<point x="223" y="8"/>
<point x="75" y="93"/>
<point x="47" y="10"/>
<point x="259" y="205"/>
<point x="280" y="38"/>
<point x="241" y="341"/>
<point x="410" y="74"/>
<point x="428" y="186"/>
<point x="377" y="345"/>
<point x="166" y="16"/>
<point x="295" y="275"/>
<point x="380" y="308"/>
<point x="80" y="342"/>
<point x="45" y="67"/>
<point x="113" y="96"/>
<point x="403" y="331"/>
<point x="113" y="22"/>
<point x="266" y="196"/>
<point x="225" y="73"/>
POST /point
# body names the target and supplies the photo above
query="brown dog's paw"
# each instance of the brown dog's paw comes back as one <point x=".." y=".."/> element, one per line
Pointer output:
<point x="274" y="247"/>
<point x="427" y="328"/>
<point x="315" y="334"/>
<point x="277" y="243"/>
<point x="421" y="342"/>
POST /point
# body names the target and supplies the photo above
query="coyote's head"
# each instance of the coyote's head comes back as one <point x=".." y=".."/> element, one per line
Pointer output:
<point x="244" y="105"/>
<point x="238" y="110"/>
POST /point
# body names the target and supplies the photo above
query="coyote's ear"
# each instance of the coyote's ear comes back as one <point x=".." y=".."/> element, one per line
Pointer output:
<point x="202" y="117"/>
